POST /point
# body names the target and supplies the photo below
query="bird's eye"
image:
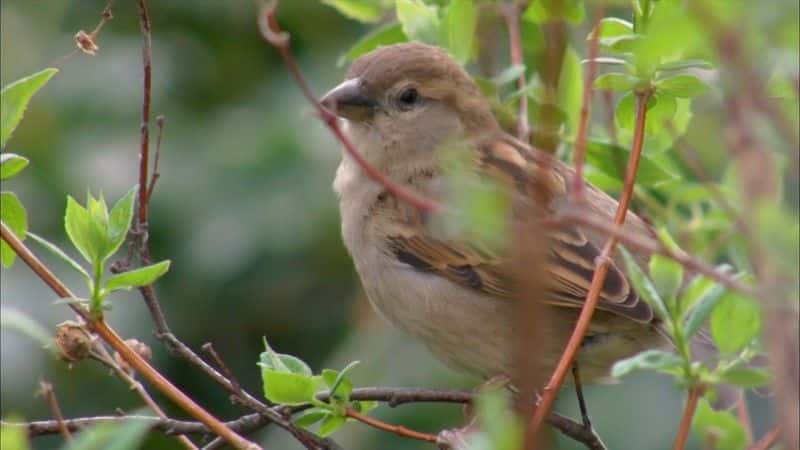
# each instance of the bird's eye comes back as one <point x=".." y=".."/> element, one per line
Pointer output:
<point x="407" y="98"/>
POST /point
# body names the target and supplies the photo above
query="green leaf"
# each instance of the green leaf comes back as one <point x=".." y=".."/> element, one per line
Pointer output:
<point x="644" y="286"/>
<point x="119" y="221"/>
<point x="386" y="35"/>
<point x="616" y="81"/>
<point x="330" y="424"/>
<point x="127" y="435"/>
<point x="735" y="322"/>
<point x="684" y="64"/>
<point x="76" y="223"/>
<point x="458" y="29"/>
<point x="11" y="164"/>
<point x="286" y="388"/>
<point x="13" y="214"/>
<point x="612" y="27"/>
<point x="667" y="275"/>
<point x="570" y="88"/>
<point x="611" y="159"/>
<point x="142" y="276"/>
<point x="52" y="248"/>
<point x="420" y="21"/>
<point x="365" y="406"/>
<point x="705" y="294"/>
<point x="656" y="360"/>
<point x="542" y="11"/>
<point x="361" y="10"/>
<point x="13" y="437"/>
<point x="310" y="416"/>
<point x="269" y="359"/>
<point x="14" y="99"/>
<point x="501" y="428"/>
<point x="746" y="377"/>
<point x="508" y="75"/>
<point x="337" y="382"/>
<point x="682" y="85"/>
<point x="719" y="427"/>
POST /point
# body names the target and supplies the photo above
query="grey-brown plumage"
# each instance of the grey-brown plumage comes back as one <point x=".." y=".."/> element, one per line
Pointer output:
<point x="406" y="105"/>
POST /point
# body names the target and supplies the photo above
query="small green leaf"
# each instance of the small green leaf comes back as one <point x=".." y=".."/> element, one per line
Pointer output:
<point x="682" y="85"/>
<point x="616" y="81"/>
<point x="705" y="305"/>
<point x="310" y="416"/>
<point x="386" y="35"/>
<point x="142" y="276"/>
<point x="361" y="10"/>
<point x="667" y="275"/>
<point x="419" y="20"/>
<point x="656" y="360"/>
<point x="14" y="99"/>
<point x="269" y="359"/>
<point x="337" y="382"/>
<point x="11" y="164"/>
<point x="330" y="424"/>
<point x="612" y="27"/>
<point x="735" y="322"/>
<point x="458" y="29"/>
<point x="644" y="286"/>
<point x="119" y="221"/>
<point x="365" y="406"/>
<point x="549" y="10"/>
<point x="510" y="74"/>
<point x="76" y="223"/>
<point x="288" y="388"/>
<point x="719" y="427"/>
<point x="13" y="214"/>
<point x="611" y="160"/>
<point x="746" y="377"/>
<point x="52" y="248"/>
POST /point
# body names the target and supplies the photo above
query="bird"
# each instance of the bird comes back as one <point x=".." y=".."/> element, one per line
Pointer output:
<point x="407" y="108"/>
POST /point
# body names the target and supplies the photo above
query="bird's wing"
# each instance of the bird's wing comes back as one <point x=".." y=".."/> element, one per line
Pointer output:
<point x="570" y="259"/>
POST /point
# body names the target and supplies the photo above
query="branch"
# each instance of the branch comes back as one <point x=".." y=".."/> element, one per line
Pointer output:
<point x="686" y="420"/>
<point x="511" y="13"/>
<point x="279" y="39"/>
<point x="144" y="146"/>
<point x="601" y="270"/>
<point x="586" y="104"/>
<point x="46" y="390"/>
<point x="396" y="429"/>
<point x="768" y="440"/>
<point x="99" y="326"/>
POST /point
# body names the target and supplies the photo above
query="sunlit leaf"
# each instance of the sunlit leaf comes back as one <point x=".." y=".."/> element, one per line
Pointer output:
<point x="143" y="276"/>
<point x="11" y="164"/>
<point x="720" y="427"/>
<point x="746" y="377"/>
<point x="52" y="248"/>
<point x="330" y="424"/>
<point x="119" y="221"/>
<point x="683" y="85"/>
<point x="288" y="388"/>
<point x="13" y="214"/>
<point x="644" y="286"/>
<point x="419" y="20"/>
<point x="361" y="10"/>
<point x="14" y="99"/>
<point x="386" y="35"/>
<point x="656" y="360"/>
<point x="615" y="81"/>
<point x="13" y="437"/>
<point x="735" y="322"/>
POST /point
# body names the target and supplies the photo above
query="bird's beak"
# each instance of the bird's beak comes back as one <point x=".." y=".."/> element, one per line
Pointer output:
<point x="348" y="100"/>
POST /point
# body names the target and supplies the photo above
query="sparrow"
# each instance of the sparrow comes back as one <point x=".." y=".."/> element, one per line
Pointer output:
<point x="406" y="107"/>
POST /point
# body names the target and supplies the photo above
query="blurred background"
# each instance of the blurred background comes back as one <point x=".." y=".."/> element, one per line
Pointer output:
<point x="244" y="209"/>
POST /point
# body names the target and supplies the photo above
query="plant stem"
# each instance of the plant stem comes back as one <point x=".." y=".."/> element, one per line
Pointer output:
<point x="686" y="420"/>
<point x="600" y="273"/>
<point x="396" y="429"/>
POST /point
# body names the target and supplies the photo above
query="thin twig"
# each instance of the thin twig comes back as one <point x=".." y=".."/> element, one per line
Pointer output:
<point x="102" y="355"/>
<point x="686" y="419"/>
<point x="235" y="386"/>
<point x="511" y="12"/>
<point x="46" y="391"/>
<point x="160" y="122"/>
<point x="586" y="105"/>
<point x="768" y="440"/>
<point x="279" y="39"/>
<point x="99" y="326"/>
<point x="601" y="270"/>
<point x="144" y="129"/>
<point x="391" y="428"/>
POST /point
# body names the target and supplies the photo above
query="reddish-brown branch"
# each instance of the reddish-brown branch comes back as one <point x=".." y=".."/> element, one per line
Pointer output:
<point x="586" y="104"/>
<point x="686" y="419"/>
<point x="768" y="440"/>
<point x="144" y="130"/>
<point x="391" y="428"/>
<point x="511" y="13"/>
<point x="743" y="414"/>
<point x="279" y="39"/>
<point x="601" y="270"/>
<point x="99" y="326"/>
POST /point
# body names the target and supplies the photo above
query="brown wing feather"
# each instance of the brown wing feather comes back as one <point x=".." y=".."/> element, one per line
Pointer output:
<point x="571" y="257"/>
